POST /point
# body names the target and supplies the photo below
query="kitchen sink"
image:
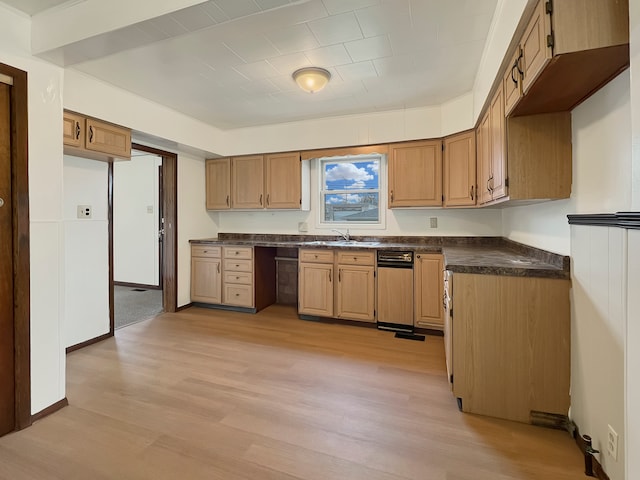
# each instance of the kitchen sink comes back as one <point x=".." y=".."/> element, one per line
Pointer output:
<point x="342" y="243"/>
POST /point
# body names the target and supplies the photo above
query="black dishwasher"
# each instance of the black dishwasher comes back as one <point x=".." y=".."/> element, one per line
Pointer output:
<point x="395" y="290"/>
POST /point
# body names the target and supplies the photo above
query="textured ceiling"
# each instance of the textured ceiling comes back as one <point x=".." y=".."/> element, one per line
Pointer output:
<point x="229" y="62"/>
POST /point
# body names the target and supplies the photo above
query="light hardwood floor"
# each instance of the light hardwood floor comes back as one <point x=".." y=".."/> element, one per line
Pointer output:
<point x="207" y="394"/>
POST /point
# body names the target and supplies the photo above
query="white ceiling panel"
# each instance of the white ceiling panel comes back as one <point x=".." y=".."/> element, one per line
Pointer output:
<point x="229" y="62"/>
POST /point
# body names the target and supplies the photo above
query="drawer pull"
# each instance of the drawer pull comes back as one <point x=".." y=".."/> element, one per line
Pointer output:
<point x="237" y="266"/>
<point x="218" y="268"/>
<point x="237" y="294"/>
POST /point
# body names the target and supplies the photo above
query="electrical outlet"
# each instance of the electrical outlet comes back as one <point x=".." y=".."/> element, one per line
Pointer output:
<point x="303" y="227"/>
<point x="433" y="222"/>
<point x="84" y="211"/>
<point x="612" y="443"/>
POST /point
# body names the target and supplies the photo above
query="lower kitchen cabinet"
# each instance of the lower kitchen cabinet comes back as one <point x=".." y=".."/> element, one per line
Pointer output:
<point x="206" y="274"/>
<point x="233" y="276"/>
<point x="315" y="282"/>
<point x="511" y="345"/>
<point x="355" y="290"/>
<point x="428" y="291"/>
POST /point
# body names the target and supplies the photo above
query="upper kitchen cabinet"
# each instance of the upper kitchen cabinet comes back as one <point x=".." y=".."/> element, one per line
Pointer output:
<point x="492" y="153"/>
<point x="95" y="139"/>
<point x="283" y="180"/>
<point x="415" y="174"/>
<point x="247" y="182"/>
<point x="459" y="170"/>
<point x="218" y="183"/>
<point x="255" y="182"/>
<point x="569" y="49"/>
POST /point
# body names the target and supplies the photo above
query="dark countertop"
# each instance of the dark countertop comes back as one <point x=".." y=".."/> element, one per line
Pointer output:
<point x="478" y="255"/>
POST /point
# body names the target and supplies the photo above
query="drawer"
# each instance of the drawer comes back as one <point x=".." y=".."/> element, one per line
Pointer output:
<point x="245" y="278"/>
<point x="240" y="295"/>
<point x="205" y="251"/>
<point x="356" y="257"/>
<point x="316" y="256"/>
<point x="238" y="252"/>
<point x="232" y="265"/>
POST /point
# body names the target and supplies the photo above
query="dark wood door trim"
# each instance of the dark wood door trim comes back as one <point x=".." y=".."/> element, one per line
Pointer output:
<point x="112" y="321"/>
<point x="21" y="265"/>
<point x="170" y="209"/>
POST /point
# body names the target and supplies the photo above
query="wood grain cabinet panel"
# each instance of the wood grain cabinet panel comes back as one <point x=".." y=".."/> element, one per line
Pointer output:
<point x="283" y="181"/>
<point x="355" y="292"/>
<point x="247" y="182"/>
<point x="315" y="289"/>
<point x="459" y="170"/>
<point x="73" y="129"/>
<point x="415" y="174"/>
<point x="218" y="183"/>
<point x="428" y="288"/>
<point x="536" y="49"/>
<point x="511" y="345"/>
<point x="206" y="274"/>
<point x="91" y="138"/>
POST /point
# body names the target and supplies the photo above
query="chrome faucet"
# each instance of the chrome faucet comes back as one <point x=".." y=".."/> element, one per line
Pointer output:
<point x="345" y="236"/>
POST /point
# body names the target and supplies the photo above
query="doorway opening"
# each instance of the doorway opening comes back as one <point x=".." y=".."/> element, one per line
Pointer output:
<point x="143" y="236"/>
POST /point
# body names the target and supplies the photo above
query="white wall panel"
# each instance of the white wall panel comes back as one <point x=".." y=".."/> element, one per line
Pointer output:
<point x="632" y="367"/>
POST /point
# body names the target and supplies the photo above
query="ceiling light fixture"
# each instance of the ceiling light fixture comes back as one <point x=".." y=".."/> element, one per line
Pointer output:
<point x="311" y="79"/>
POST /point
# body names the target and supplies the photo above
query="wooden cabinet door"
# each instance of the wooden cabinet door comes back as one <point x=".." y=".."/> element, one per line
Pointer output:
<point x="218" y="183"/>
<point x="459" y="170"/>
<point x="512" y="83"/>
<point x="283" y="180"/>
<point x="535" y="51"/>
<point x="315" y="289"/>
<point x="247" y="181"/>
<point x="355" y="293"/>
<point x="109" y="139"/>
<point x="429" y="290"/>
<point x="484" y="160"/>
<point x="206" y="276"/>
<point x="498" y="145"/>
<point x="395" y="296"/>
<point x="73" y="129"/>
<point x="415" y="174"/>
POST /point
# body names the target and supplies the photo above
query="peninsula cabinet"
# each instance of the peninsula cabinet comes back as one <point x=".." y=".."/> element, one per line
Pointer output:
<point x="511" y="345"/>
<point x="415" y="174"/>
<point x="459" y="170"/>
<point x="428" y="294"/>
<point x="206" y="274"/>
<point x="355" y="289"/>
<point x="218" y="183"/>
<point x="315" y="282"/>
<point x="569" y="49"/>
<point x="91" y="138"/>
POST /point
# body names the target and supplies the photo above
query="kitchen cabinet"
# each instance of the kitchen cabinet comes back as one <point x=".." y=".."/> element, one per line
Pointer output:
<point x="355" y="289"/>
<point x="567" y="51"/>
<point x="233" y="276"/>
<point x="283" y="180"/>
<point x="218" y="183"/>
<point x="95" y="139"/>
<point x="247" y="182"/>
<point x="510" y="345"/>
<point x="206" y="274"/>
<point x="428" y="286"/>
<point x="492" y="155"/>
<point x="459" y="170"/>
<point x="256" y="182"/>
<point x="415" y="174"/>
<point x="315" y="282"/>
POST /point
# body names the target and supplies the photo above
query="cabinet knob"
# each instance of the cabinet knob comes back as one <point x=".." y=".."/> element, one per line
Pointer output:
<point x="237" y="265"/>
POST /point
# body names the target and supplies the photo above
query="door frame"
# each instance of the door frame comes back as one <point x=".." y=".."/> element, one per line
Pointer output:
<point x="21" y="251"/>
<point x="169" y="249"/>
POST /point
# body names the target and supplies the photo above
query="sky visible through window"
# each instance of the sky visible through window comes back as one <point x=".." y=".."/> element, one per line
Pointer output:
<point x="351" y="190"/>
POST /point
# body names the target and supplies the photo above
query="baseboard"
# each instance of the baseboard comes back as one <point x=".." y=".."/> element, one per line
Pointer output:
<point x="49" y="410"/>
<point x="138" y="285"/>
<point x="184" y="307"/>
<point x="91" y="341"/>
<point x="596" y="468"/>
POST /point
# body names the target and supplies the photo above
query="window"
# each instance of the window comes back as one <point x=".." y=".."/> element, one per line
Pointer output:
<point x="350" y="190"/>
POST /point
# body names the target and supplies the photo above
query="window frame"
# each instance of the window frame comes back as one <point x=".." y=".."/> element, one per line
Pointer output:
<point x="382" y="192"/>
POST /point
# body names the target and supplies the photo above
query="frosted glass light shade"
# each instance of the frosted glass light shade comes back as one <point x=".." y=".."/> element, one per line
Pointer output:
<point x="311" y="79"/>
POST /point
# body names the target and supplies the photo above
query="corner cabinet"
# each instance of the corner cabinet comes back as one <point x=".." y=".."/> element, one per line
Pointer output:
<point x="428" y="286"/>
<point x="91" y="138"/>
<point x="415" y="174"/>
<point x="257" y="182"/>
<point x="459" y="170"/>
<point x="511" y="345"/>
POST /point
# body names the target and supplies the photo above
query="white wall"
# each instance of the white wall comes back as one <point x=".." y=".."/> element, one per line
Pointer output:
<point x="86" y="254"/>
<point x="45" y="209"/>
<point x="601" y="137"/>
<point x="136" y="249"/>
